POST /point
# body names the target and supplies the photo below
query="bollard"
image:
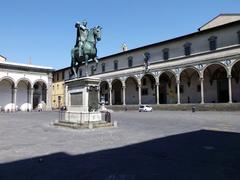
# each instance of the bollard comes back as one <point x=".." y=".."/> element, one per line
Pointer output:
<point x="90" y="126"/>
<point x="193" y="109"/>
<point x="108" y="117"/>
<point x="115" y="124"/>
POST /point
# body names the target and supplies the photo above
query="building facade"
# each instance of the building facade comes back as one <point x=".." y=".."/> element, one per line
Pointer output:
<point x="24" y="87"/>
<point x="201" y="67"/>
<point x="58" y="89"/>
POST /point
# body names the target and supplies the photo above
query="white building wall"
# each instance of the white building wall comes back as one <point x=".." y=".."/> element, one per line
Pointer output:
<point x="18" y="76"/>
<point x="22" y="93"/>
<point x="225" y="37"/>
<point x="5" y="92"/>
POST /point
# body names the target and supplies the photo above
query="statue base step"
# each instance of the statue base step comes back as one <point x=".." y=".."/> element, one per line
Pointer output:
<point x="86" y="125"/>
<point x="81" y="117"/>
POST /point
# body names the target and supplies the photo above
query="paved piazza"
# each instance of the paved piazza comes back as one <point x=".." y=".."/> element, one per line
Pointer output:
<point x="154" y="145"/>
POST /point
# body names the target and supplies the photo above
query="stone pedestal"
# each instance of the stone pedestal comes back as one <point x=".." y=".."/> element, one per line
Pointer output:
<point x="82" y="100"/>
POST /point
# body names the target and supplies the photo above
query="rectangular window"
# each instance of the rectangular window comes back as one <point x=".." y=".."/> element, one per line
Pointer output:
<point x="212" y="43"/>
<point x="130" y="62"/>
<point x="57" y="76"/>
<point x="63" y="75"/>
<point x="187" y="50"/>
<point x="54" y="76"/>
<point x="115" y="65"/>
<point x="103" y="67"/>
<point x="166" y="54"/>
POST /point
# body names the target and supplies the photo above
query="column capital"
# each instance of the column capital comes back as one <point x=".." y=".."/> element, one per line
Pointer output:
<point x="157" y="83"/>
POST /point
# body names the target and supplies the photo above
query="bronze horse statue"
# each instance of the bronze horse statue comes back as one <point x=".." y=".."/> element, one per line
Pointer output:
<point x="86" y="52"/>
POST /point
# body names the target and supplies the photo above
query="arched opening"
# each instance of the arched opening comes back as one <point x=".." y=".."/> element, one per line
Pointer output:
<point x="131" y="91"/>
<point x="215" y="84"/>
<point x="235" y="82"/>
<point x="190" y="87"/>
<point x="39" y="93"/>
<point x="148" y="89"/>
<point x="117" y="92"/>
<point x="6" y="92"/>
<point x="167" y="88"/>
<point x="104" y="92"/>
<point x="23" y="93"/>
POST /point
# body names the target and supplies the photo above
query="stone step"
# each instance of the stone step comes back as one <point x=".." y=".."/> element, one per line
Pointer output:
<point x="98" y="124"/>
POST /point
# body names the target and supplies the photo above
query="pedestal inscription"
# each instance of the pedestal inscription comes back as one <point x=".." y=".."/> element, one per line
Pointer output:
<point x="76" y="98"/>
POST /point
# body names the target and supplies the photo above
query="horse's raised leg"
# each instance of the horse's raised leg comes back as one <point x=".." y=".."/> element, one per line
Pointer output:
<point x="86" y="65"/>
<point x="73" y="63"/>
<point x="73" y="70"/>
<point x="96" y="61"/>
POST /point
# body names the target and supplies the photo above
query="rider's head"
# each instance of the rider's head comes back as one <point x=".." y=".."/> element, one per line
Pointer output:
<point x="84" y="22"/>
<point x="77" y="24"/>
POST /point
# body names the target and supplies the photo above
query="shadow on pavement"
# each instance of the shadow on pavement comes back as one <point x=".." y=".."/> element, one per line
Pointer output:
<point x="199" y="155"/>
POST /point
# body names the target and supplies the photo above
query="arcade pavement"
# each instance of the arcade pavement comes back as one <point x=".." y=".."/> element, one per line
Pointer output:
<point x="153" y="145"/>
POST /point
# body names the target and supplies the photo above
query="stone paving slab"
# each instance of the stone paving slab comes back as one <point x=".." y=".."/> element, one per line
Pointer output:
<point x="154" y="145"/>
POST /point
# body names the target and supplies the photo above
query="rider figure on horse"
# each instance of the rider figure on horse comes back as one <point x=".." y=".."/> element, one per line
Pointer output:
<point x="82" y="33"/>
<point x="85" y="47"/>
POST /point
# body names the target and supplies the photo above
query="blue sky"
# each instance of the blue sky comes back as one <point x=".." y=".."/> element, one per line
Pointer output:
<point x="44" y="30"/>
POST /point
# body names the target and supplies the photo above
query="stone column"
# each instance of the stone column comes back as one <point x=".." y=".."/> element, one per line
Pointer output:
<point x="139" y="94"/>
<point x="14" y="98"/>
<point x="99" y="95"/>
<point x="31" y="96"/>
<point x="178" y="92"/>
<point x="110" y="95"/>
<point x="124" y="95"/>
<point x="202" y="90"/>
<point x="157" y="92"/>
<point x="230" y="88"/>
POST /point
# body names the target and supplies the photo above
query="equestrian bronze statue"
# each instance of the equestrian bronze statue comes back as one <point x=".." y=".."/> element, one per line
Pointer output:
<point x="85" y="48"/>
